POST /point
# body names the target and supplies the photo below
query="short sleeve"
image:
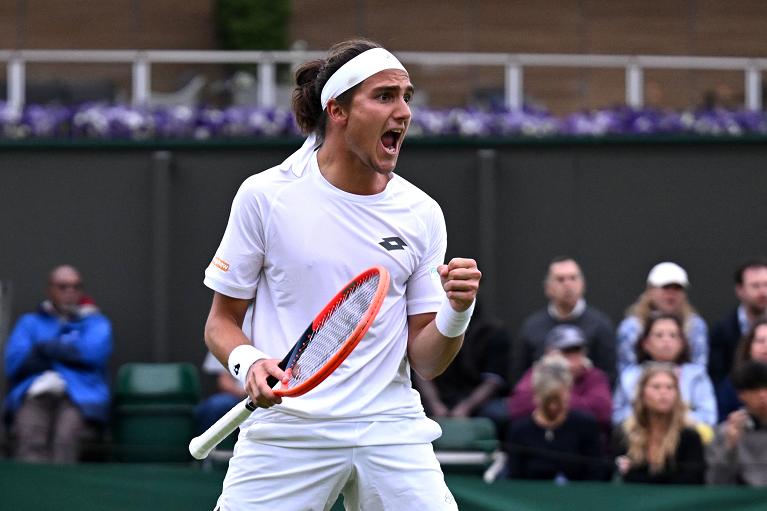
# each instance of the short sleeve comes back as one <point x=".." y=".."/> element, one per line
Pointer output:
<point x="236" y="266"/>
<point x="424" y="288"/>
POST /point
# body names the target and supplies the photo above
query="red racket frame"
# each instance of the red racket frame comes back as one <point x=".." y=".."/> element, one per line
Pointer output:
<point x="354" y="338"/>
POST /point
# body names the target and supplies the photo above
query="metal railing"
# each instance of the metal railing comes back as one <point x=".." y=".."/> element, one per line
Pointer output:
<point x="514" y="65"/>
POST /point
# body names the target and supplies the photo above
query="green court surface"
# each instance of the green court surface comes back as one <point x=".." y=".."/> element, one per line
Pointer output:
<point x="134" y="487"/>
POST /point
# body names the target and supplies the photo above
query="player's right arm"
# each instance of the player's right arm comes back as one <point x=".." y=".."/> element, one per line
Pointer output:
<point x="223" y="333"/>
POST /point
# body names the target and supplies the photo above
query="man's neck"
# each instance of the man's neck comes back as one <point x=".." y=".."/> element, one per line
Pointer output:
<point x="66" y="313"/>
<point x="344" y="170"/>
<point x="566" y="311"/>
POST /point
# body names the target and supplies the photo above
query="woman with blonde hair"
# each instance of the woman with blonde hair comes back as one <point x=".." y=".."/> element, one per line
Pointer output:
<point x="658" y="443"/>
<point x="554" y="442"/>
<point x="664" y="340"/>
<point x="666" y="293"/>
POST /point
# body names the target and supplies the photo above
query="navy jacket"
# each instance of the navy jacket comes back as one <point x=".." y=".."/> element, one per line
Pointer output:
<point x="724" y="337"/>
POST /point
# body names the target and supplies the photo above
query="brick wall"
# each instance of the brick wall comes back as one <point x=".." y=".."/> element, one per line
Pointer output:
<point x="672" y="27"/>
<point x="107" y="24"/>
<point x="675" y="27"/>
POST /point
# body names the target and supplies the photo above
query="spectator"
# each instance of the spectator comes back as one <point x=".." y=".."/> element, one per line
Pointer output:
<point x="473" y="383"/>
<point x="228" y="393"/>
<point x="738" y="453"/>
<point x="752" y="347"/>
<point x="657" y="443"/>
<point x="664" y="341"/>
<point x="590" y="391"/>
<point x="564" y="286"/>
<point x="666" y="293"/>
<point x="554" y="442"/>
<point x="56" y="362"/>
<point x="751" y="290"/>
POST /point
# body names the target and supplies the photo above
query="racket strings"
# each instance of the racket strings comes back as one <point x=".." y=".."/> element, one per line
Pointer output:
<point x="333" y="332"/>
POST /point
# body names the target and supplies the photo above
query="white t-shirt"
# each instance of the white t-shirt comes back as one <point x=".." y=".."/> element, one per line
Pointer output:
<point x="293" y="242"/>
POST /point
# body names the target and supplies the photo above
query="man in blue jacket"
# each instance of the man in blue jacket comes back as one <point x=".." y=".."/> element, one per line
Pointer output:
<point x="55" y="361"/>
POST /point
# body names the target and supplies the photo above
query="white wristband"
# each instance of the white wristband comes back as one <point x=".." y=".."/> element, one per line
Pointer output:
<point x="451" y="323"/>
<point x="240" y="360"/>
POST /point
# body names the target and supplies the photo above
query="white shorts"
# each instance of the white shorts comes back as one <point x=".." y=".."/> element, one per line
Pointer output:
<point x="371" y="478"/>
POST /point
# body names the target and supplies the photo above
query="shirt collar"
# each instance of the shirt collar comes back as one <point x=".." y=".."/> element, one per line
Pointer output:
<point x="575" y="314"/>
<point x="743" y="322"/>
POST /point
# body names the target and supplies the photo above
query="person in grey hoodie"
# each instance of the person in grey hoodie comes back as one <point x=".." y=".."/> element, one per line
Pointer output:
<point x="738" y="453"/>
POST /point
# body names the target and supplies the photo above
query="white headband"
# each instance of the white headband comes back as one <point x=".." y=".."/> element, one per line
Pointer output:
<point x="361" y="67"/>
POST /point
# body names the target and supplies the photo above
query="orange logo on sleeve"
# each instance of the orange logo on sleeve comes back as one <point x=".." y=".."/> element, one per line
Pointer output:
<point x="220" y="264"/>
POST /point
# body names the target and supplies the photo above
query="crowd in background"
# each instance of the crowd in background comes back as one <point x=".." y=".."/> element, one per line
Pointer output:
<point x="662" y="397"/>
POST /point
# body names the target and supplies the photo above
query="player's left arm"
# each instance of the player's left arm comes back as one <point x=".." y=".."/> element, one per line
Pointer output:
<point x="429" y="351"/>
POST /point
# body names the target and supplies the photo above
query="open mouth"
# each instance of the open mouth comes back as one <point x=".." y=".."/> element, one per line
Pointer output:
<point x="390" y="140"/>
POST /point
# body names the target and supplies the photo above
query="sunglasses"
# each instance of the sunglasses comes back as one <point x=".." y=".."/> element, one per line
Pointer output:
<point x="63" y="286"/>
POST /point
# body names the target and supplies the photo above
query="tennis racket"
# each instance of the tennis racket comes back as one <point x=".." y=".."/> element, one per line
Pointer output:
<point x="328" y="340"/>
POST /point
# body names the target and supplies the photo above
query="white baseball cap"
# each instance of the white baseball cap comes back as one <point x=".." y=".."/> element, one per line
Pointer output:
<point x="667" y="273"/>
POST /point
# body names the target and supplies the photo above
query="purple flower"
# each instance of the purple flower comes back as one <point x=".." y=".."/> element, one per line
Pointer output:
<point x="105" y="121"/>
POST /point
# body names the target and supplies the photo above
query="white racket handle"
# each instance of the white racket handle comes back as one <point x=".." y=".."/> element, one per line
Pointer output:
<point x="201" y="446"/>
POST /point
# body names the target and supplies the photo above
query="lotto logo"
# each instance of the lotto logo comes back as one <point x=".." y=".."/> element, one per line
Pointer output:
<point x="393" y="243"/>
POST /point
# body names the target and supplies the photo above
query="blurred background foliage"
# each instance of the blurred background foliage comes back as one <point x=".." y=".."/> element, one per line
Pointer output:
<point x="252" y="24"/>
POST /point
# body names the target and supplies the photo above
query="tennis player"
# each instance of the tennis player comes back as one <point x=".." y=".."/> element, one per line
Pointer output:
<point x="296" y="234"/>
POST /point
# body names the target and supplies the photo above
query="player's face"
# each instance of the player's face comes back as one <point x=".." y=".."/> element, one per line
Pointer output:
<point x="759" y="344"/>
<point x="664" y="342"/>
<point x="565" y="284"/>
<point x="379" y="117"/>
<point x="753" y="292"/>
<point x="660" y="393"/>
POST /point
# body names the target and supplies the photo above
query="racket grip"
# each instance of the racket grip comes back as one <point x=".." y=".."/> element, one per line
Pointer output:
<point x="201" y="446"/>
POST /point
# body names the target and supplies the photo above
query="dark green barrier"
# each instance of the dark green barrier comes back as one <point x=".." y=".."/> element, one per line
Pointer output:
<point x="474" y="495"/>
<point x="130" y="487"/>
